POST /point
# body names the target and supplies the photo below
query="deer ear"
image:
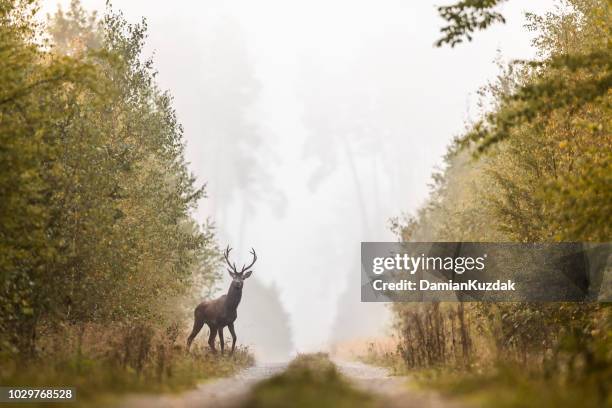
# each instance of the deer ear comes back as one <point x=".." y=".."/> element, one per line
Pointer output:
<point x="232" y="274"/>
<point x="247" y="274"/>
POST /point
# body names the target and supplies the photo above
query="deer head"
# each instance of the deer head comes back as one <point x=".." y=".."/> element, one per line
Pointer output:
<point x="245" y="272"/>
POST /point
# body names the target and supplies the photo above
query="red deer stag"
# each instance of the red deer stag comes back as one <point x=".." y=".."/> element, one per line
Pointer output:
<point x="221" y="312"/>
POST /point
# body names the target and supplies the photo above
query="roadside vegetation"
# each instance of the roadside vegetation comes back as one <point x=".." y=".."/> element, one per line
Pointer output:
<point x="310" y="380"/>
<point x="100" y="258"/>
<point x="535" y="166"/>
<point x="104" y="373"/>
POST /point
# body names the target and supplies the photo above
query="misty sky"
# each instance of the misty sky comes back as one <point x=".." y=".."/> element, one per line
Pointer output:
<point x="341" y="110"/>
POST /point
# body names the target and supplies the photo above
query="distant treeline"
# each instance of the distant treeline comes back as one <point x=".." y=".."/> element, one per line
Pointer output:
<point x="535" y="167"/>
<point x="95" y="194"/>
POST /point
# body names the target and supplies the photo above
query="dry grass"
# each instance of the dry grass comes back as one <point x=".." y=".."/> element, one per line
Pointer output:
<point x="361" y="348"/>
<point x="101" y="361"/>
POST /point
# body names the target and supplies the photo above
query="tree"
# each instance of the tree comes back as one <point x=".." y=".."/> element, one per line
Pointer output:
<point x="97" y="197"/>
<point x="32" y="80"/>
<point x="536" y="168"/>
<point x="569" y="73"/>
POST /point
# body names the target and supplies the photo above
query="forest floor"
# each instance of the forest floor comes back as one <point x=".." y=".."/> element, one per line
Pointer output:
<point x="393" y="391"/>
<point x="223" y="393"/>
<point x="340" y="383"/>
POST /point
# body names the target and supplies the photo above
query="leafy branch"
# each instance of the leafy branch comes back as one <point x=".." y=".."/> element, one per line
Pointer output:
<point x="465" y="17"/>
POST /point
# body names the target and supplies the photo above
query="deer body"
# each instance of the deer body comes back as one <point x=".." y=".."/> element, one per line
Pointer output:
<point x="223" y="311"/>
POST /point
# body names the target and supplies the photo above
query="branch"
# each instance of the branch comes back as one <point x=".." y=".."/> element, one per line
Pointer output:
<point x="465" y="17"/>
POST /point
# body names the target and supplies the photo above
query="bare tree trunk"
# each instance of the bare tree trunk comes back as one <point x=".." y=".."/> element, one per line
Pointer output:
<point x="243" y="221"/>
<point x="465" y="339"/>
<point x="357" y="184"/>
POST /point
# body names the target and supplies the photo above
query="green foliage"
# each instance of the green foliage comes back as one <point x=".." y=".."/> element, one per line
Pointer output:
<point x="310" y="380"/>
<point x="465" y="17"/>
<point x="512" y="385"/>
<point x="534" y="168"/>
<point x="96" y="195"/>
<point x="30" y="107"/>
<point x="575" y="69"/>
<point x="545" y="179"/>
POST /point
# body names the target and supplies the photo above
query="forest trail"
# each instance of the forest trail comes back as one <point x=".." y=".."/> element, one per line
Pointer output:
<point x="230" y="392"/>
<point x="395" y="391"/>
<point x="223" y="392"/>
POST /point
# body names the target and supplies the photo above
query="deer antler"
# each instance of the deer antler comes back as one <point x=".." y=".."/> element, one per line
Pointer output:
<point x="246" y="268"/>
<point x="226" y="256"/>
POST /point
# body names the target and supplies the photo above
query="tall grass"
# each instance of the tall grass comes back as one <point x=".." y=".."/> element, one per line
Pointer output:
<point x="100" y="361"/>
<point x="512" y="354"/>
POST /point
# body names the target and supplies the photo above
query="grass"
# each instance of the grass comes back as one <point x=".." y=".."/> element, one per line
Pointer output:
<point x="501" y="385"/>
<point x="508" y="386"/>
<point x="99" y="380"/>
<point x="310" y="380"/>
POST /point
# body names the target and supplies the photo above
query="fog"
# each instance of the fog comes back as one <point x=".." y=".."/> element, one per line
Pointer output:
<point x="312" y="123"/>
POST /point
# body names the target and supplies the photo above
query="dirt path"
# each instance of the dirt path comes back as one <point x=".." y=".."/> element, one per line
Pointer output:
<point x="395" y="391"/>
<point x="224" y="392"/>
<point x="230" y="392"/>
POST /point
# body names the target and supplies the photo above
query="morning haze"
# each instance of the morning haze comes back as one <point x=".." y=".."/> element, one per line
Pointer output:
<point x="312" y="124"/>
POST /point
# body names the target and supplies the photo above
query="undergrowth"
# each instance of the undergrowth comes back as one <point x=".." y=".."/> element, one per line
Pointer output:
<point x="310" y="380"/>
<point x="104" y="364"/>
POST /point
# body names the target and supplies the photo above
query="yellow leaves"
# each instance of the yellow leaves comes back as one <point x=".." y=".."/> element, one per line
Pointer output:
<point x="563" y="144"/>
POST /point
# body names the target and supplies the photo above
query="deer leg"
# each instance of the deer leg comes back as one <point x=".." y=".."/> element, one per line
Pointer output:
<point x="211" y="338"/>
<point x="221" y="339"/>
<point x="197" y="326"/>
<point x="233" y="333"/>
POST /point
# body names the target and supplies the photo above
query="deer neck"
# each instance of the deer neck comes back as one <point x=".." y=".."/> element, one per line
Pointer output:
<point x="234" y="295"/>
